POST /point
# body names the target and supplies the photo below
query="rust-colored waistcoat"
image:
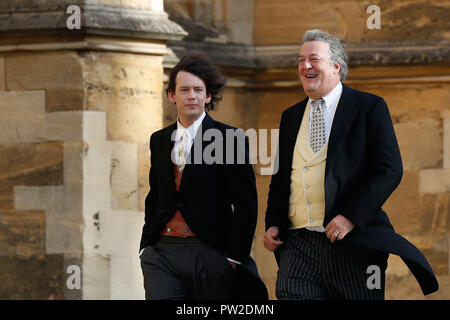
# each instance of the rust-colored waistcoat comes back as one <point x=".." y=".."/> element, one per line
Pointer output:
<point x="177" y="226"/>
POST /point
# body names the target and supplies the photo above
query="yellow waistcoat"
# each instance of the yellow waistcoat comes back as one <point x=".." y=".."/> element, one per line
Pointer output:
<point x="307" y="198"/>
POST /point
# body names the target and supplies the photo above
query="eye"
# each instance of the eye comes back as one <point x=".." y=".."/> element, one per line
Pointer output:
<point x="301" y="60"/>
<point x="315" y="59"/>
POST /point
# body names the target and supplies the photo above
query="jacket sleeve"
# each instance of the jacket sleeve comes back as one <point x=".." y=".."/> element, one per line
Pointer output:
<point x="385" y="167"/>
<point x="152" y="196"/>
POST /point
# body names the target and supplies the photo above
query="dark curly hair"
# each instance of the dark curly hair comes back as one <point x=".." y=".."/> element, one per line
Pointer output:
<point x="201" y="66"/>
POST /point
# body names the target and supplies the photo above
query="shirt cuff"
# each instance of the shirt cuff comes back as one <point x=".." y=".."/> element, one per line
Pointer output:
<point x="234" y="261"/>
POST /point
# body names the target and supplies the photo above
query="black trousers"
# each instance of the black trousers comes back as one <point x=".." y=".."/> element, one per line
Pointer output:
<point x="185" y="269"/>
<point x="313" y="268"/>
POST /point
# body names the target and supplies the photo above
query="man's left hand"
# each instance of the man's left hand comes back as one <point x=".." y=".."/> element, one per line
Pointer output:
<point x="338" y="228"/>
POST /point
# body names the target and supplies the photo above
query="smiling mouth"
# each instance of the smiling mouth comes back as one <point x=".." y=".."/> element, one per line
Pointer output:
<point x="311" y="76"/>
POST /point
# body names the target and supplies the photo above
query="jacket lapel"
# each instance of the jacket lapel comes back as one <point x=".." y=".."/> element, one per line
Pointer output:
<point x="293" y="128"/>
<point x="196" y="153"/>
<point x="166" y="156"/>
<point x="343" y="119"/>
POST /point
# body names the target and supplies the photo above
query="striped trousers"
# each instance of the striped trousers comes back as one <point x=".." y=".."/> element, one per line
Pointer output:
<point x="313" y="268"/>
<point x="178" y="268"/>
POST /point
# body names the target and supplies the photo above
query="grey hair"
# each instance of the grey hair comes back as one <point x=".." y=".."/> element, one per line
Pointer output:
<point x="337" y="52"/>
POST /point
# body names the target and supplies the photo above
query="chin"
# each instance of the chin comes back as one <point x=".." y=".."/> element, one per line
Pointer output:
<point x="309" y="88"/>
<point x="190" y="111"/>
<point x="192" y="115"/>
<point x="310" y="93"/>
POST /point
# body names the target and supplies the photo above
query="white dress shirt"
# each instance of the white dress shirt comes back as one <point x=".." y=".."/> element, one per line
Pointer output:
<point x="190" y="133"/>
<point x="331" y="102"/>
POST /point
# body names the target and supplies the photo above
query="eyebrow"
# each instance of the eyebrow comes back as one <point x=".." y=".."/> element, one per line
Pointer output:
<point x="313" y="54"/>
<point x="187" y="87"/>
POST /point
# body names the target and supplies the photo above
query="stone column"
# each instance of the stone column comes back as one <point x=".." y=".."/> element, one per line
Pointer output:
<point x="78" y="103"/>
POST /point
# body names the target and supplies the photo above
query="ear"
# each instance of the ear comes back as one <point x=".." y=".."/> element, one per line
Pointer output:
<point x="337" y="67"/>
<point x="171" y="97"/>
<point x="208" y="98"/>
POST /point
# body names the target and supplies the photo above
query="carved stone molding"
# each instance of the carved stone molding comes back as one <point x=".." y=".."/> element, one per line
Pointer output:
<point x="96" y="19"/>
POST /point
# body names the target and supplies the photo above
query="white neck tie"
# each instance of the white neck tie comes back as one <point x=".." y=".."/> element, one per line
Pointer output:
<point x="317" y="134"/>
<point x="181" y="152"/>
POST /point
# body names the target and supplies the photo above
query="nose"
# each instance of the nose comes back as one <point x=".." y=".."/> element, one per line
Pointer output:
<point x="304" y="67"/>
<point x="191" y="94"/>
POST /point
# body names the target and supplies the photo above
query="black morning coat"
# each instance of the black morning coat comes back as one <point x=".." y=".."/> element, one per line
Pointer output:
<point x="217" y="200"/>
<point x="363" y="167"/>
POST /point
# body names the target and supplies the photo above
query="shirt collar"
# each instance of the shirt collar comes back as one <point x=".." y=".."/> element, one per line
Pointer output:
<point x="191" y="131"/>
<point x="332" y="97"/>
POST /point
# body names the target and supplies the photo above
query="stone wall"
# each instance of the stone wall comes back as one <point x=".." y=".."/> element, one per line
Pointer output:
<point x="420" y="207"/>
<point x="77" y="112"/>
<point x="27" y="159"/>
<point x="75" y="129"/>
<point x="220" y="21"/>
<point x="284" y="22"/>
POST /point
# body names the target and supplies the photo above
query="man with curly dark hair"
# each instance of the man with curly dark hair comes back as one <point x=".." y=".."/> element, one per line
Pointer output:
<point x="201" y="212"/>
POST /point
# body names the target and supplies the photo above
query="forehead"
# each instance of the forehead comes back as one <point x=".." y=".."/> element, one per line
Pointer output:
<point x="315" y="47"/>
<point x="187" y="79"/>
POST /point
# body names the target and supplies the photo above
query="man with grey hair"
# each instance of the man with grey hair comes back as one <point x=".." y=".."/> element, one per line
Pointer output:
<point x="339" y="161"/>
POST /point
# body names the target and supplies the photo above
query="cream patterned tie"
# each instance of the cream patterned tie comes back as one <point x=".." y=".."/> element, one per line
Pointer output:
<point x="181" y="151"/>
<point x="317" y="135"/>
